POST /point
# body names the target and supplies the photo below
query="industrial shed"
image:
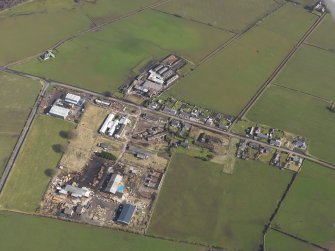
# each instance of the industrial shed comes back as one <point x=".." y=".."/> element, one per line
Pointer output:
<point x="127" y="213"/>
<point x="59" y="112"/>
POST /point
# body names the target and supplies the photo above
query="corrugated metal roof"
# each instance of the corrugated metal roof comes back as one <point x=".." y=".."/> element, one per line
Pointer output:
<point x="127" y="213"/>
<point x="59" y="111"/>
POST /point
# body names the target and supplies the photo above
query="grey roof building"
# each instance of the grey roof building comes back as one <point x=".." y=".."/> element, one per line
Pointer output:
<point x="126" y="214"/>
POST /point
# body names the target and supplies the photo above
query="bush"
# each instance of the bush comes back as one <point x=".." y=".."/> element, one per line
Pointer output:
<point x="106" y="155"/>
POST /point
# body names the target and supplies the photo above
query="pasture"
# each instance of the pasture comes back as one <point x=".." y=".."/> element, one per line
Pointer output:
<point x="42" y="23"/>
<point x="17" y="97"/>
<point x="230" y="15"/>
<point x="27" y="232"/>
<point x="299" y="113"/>
<point x="310" y="71"/>
<point x="324" y="36"/>
<point x="308" y="210"/>
<point x="276" y="241"/>
<point x="29" y="177"/>
<point x="202" y="204"/>
<point x="103" y="60"/>
<point x="240" y="69"/>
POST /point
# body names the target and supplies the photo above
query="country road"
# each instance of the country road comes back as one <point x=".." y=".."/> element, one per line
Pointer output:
<point x="144" y="109"/>
<point x="22" y="137"/>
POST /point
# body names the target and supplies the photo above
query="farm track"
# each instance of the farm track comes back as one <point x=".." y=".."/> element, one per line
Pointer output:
<point x="275" y="73"/>
<point x="144" y="109"/>
<point x="92" y="29"/>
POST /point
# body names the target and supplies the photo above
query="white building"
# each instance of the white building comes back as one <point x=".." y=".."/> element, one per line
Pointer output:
<point x="114" y="183"/>
<point x="106" y="123"/>
<point x="155" y="77"/>
<point x="72" y="99"/>
<point x="112" y="126"/>
<point x="59" y="112"/>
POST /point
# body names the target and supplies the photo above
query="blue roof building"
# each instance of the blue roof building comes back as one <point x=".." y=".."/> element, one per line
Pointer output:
<point x="126" y="214"/>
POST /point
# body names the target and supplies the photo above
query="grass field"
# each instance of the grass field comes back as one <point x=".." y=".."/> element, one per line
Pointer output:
<point x="28" y="179"/>
<point x="300" y="114"/>
<point x="17" y="96"/>
<point x="42" y="23"/>
<point x="230" y="15"/>
<point x="240" y="69"/>
<point x="200" y="203"/>
<point x="310" y="71"/>
<point x="31" y="233"/>
<point x="324" y="37"/>
<point x="102" y="61"/>
<point x="308" y="210"/>
<point x="276" y="241"/>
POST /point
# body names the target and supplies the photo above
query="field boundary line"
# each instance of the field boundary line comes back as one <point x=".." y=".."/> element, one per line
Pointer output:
<point x="319" y="47"/>
<point x="299" y="239"/>
<point x="277" y="70"/>
<point x="302" y="92"/>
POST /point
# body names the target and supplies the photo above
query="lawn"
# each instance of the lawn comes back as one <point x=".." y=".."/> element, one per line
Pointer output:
<point x="42" y="23"/>
<point x="199" y="203"/>
<point x="102" y="61"/>
<point x="31" y="233"/>
<point x="300" y="114"/>
<point x="310" y="71"/>
<point x="324" y="36"/>
<point x="231" y="15"/>
<point x="28" y="179"/>
<point x="308" y="210"/>
<point x="17" y="96"/>
<point x="276" y="241"/>
<point x="230" y="79"/>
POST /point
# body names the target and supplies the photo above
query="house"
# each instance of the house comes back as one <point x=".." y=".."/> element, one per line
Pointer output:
<point x="275" y="142"/>
<point x="114" y="183"/>
<point x="126" y="214"/>
<point x="59" y="112"/>
<point x="299" y="143"/>
<point x="47" y="55"/>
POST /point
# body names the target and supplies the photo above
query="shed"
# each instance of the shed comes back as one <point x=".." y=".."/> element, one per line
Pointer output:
<point x="72" y="98"/>
<point x="126" y="214"/>
<point x="59" y="112"/>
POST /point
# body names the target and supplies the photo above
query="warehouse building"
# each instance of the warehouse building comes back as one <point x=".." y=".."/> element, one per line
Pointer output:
<point x="72" y="99"/>
<point x="106" y="123"/>
<point x="114" y="184"/>
<point x="59" y="112"/>
<point x="126" y="214"/>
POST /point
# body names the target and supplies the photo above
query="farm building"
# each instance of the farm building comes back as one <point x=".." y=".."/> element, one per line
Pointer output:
<point x="75" y="191"/>
<point x="127" y="214"/>
<point x="114" y="127"/>
<point x="72" y="99"/>
<point x="107" y="121"/>
<point x="59" y="112"/>
<point x="114" y="184"/>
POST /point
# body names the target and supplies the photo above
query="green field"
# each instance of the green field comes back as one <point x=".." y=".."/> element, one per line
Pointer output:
<point x="30" y="233"/>
<point x="229" y="80"/>
<point x="42" y="23"/>
<point x="28" y="181"/>
<point x="308" y="210"/>
<point x="300" y="114"/>
<point x="103" y="60"/>
<point x="310" y="71"/>
<point x="230" y="15"/>
<point x="199" y="203"/>
<point x="17" y="96"/>
<point x="276" y="241"/>
<point x="323" y="36"/>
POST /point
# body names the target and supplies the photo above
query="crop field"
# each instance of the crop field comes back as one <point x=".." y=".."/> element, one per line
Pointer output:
<point x="199" y="203"/>
<point x="323" y="37"/>
<point x="301" y="114"/>
<point x="19" y="230"/>
<point x="230" y="15"/>
<point x="29" y="176"/>
<point x="17" y="96"/>
<point x="31" y="22"/>
<point x="103" y="60"/>
<point x="308" y="210"/>
<point x="276" y="241"/>
<point x="310" y="71"/>
<point x="240" y="69"/>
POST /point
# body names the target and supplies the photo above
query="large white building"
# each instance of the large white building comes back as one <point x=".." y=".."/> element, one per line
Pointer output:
<point x="106" y="123"/>
<point x="59" y="111"/>
<point x="72" y="99"/>
<point x="114" y="183"/>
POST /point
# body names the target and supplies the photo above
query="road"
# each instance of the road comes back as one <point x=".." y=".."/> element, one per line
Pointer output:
<point x="144" y="109"/>
<point x="278" y="70"/>
<point x="22" y="137"/>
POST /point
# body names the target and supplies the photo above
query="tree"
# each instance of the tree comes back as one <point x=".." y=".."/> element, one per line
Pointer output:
<point x="68" y="134"/>
<point x="106" y="155"/>
<point x="50" y="172"/>
<point x="59" y="148"/>
<point x="107" y="94"/>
